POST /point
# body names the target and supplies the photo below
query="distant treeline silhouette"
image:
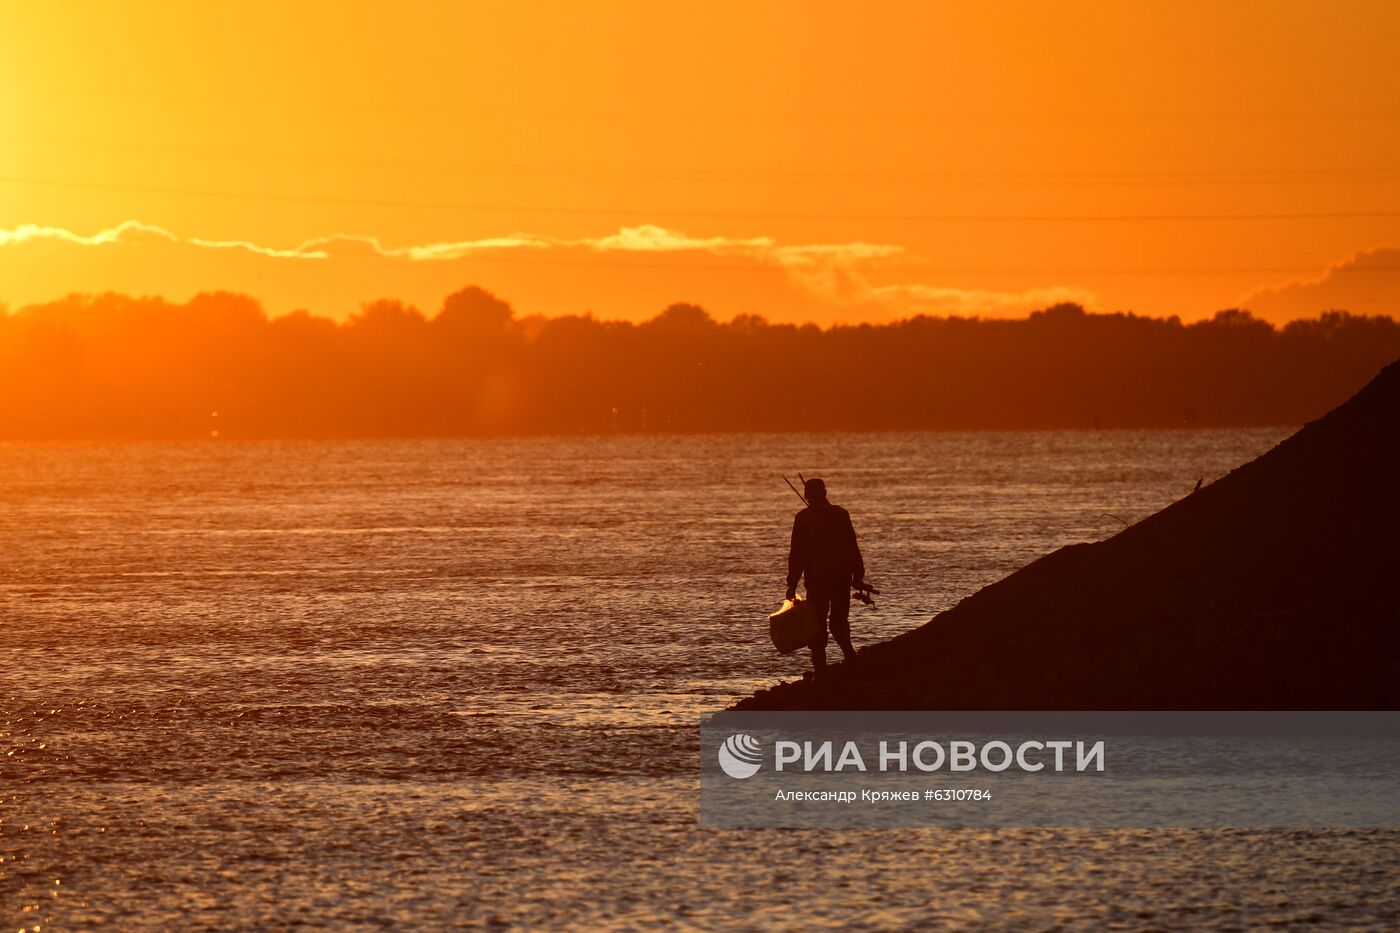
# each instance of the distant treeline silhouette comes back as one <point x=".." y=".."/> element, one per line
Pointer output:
<point x="112" y="366"/>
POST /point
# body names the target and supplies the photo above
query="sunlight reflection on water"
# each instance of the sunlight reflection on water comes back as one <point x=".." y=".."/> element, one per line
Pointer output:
<point x="457" y="682"/>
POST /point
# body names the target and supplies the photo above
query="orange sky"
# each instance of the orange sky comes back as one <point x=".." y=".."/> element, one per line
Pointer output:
<point x="828" y="162"/>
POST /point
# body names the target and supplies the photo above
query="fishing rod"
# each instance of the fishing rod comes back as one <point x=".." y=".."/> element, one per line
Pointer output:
<point x="863" y="591"/>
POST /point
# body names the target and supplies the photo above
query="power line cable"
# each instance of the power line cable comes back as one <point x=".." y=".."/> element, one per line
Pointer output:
<point x="652" y="212"/>
<point x="1012" y="178"/>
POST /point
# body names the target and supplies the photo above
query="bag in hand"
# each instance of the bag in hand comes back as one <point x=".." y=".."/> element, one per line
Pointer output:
<point x="794" y="626"/>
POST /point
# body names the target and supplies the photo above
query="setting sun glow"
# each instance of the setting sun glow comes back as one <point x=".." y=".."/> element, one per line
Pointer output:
<point x="796" y="161"/>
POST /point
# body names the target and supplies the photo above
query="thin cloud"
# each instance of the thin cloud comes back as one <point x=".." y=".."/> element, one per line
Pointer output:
<point x="26" y="232"/>
<point x="342" y="244"/>
<point x="834" y="273"/>
<point x="649" y="238"/>
<point x="646" y="238"/>
<point x="838" y="279"/>
<point x="1367" y="282"/>
<point x="123" y="231"/>
<point x="643" y="238"/>
<point x="939" y="300"/>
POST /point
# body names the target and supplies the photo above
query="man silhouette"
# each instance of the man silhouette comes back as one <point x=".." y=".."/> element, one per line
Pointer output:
<point x="824" y="551"/>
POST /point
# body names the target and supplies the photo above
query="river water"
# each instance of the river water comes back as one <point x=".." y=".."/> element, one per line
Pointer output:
<point x="457" y="683"/>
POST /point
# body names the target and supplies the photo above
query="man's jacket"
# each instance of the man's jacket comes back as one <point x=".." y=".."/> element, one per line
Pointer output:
<point x="824" y="548"/>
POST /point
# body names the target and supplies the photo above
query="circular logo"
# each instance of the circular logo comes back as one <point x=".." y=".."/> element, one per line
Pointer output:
<point x="741" y="755"/>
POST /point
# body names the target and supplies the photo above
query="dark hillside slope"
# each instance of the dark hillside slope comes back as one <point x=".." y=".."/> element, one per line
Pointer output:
<point x="1277" y="587"/>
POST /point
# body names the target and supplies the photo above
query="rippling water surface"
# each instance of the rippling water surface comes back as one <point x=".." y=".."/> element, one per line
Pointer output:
<point x="457" y="683"/>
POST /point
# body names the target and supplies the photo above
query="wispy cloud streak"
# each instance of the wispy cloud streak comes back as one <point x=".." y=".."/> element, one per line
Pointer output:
<point x="129" y="229"/>
<point x="646" y="238"/>
<point x="835" y="273"/>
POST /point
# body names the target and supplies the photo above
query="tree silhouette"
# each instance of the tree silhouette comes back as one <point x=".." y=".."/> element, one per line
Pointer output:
<point x="113" y="366"/>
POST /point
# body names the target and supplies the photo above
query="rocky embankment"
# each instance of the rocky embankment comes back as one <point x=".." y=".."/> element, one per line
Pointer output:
<point x="1277" y="587"/>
